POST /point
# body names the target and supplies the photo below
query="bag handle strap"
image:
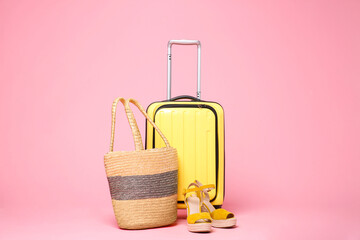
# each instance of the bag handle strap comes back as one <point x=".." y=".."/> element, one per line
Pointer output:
<point x="137" y="104"/>
<point x="133" y="125"/>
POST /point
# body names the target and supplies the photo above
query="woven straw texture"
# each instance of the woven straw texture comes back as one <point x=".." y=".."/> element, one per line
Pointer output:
<point x="143" y="183"/>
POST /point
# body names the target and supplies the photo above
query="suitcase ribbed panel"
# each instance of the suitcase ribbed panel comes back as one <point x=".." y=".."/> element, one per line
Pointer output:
<point x="192" y="132"/>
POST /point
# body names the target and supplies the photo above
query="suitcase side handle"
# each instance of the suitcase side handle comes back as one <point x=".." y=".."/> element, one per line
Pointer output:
<point x="184" y="42"/>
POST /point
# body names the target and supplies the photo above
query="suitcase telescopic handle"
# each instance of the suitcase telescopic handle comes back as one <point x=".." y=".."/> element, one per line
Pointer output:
<point x="184" y="42"/>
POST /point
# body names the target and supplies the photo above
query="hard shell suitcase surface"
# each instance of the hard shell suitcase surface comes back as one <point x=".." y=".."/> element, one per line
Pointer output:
<point x="196" y="129"/>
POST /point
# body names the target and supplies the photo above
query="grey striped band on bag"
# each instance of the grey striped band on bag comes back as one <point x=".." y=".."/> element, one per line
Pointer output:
<point x="143" y="186"/>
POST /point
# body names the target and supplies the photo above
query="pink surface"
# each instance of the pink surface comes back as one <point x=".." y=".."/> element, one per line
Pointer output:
<point x="286" y="73"/>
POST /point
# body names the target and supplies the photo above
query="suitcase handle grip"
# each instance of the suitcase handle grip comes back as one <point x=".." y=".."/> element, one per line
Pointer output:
<point x="184" y="42"/>
<point x="194" y="99"/>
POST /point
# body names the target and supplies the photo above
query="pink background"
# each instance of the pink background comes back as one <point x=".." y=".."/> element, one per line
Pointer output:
<point x="286" y="72"/>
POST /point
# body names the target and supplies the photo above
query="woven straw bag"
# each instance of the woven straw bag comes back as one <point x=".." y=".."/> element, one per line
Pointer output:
<point x="143" y="183"/>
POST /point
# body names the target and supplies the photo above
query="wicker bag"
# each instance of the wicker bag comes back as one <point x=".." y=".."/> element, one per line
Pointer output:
<point x="143" y="183"/>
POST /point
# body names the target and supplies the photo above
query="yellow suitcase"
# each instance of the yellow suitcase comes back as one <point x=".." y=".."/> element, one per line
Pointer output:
<point x="196" y="129"/>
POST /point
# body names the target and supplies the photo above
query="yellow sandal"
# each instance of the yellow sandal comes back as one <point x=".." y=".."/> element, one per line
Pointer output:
<point x="197" y="221"/>
<point x="221" y="218"/>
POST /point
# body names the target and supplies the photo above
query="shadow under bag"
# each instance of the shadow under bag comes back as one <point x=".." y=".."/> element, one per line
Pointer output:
<point x="143" y="183"/>
<point x="196" y="129"/>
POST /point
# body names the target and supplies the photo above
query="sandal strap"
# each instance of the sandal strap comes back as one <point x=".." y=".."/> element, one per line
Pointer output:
<point x="194" y="189"/>
<point x="207" y="187"/>
<point x="204" y="190"/>
<point x="221" y="214"/>
<point x="191" y="219"/>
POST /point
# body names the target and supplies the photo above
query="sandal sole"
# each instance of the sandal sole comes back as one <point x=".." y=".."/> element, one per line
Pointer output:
<point x="199" y="227"/>
<point x="224" y="223"/>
